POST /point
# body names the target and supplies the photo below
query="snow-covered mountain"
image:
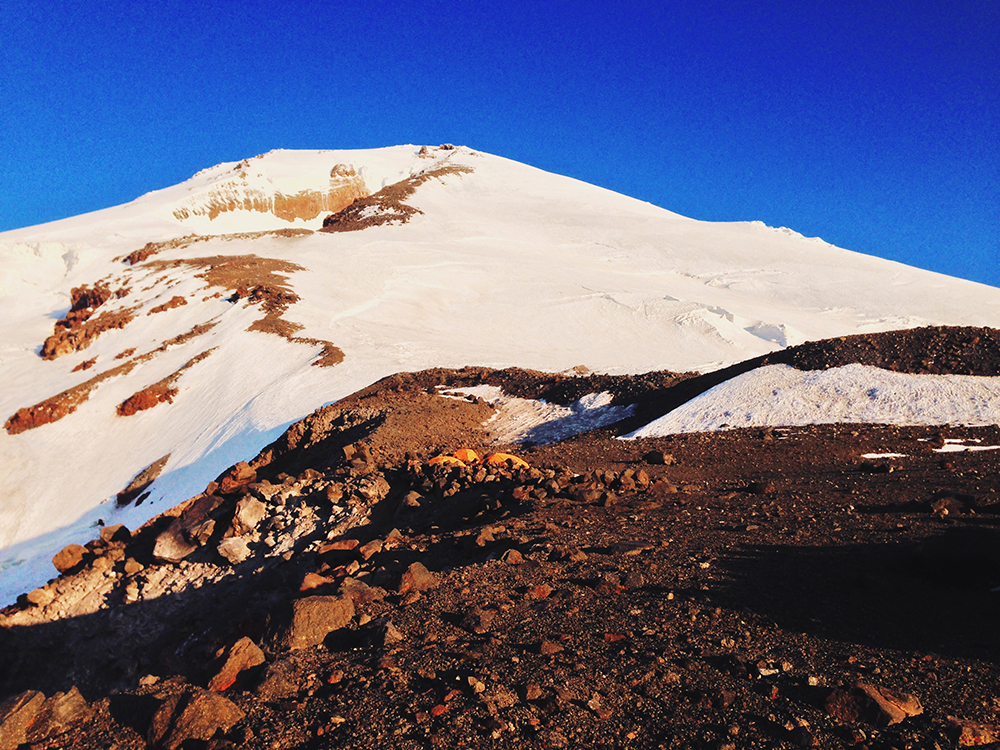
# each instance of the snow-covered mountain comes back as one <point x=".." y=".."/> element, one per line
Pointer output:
<point x="184" y="331"/>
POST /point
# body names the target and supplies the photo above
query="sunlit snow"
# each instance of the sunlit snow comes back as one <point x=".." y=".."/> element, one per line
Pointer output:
<point x="780" y="395"/>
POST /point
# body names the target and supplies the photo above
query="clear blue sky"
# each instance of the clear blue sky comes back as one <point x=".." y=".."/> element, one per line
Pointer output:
<point x="874" y="125"/>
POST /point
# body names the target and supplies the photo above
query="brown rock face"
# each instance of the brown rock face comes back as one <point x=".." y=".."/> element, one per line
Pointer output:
<point x="145" y="399"/>
<point x="235" y="195"/>
<point x="78" y="329"/>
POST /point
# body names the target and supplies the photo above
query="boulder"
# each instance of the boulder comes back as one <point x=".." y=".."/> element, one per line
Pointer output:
<point x="873" y="704"/>
<point x="238" y="476"/>
<point x="196" y="715"/>
<point x="242" y="655"/>
<point x="69" y="557"/>
<point x="116" y="533"/>
<point x="41" y="597"/>
<point x="17" y="713"/>
<point x="234" y="549"/>
<point x="59" y="714"/>
<point x="171" y="545"/>
<point x="312" y="619"/>
<point x="249" y="513"/>
<point x="417" y="578"/>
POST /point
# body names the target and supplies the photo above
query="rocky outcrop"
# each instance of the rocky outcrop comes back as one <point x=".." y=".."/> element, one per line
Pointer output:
<point x="161" y="391"/>
<point x="387" y="205"/>
<point x="78" y="329"/>
<point x="239" y="194"/>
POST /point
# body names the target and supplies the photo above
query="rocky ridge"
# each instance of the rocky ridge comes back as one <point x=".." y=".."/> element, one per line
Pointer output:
<point x="756" y="588"/>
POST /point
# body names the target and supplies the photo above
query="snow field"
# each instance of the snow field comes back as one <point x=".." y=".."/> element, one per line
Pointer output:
<point x="781" y="396"/>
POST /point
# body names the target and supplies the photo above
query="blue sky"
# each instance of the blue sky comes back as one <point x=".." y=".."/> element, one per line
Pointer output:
<point x="875" y="126"/>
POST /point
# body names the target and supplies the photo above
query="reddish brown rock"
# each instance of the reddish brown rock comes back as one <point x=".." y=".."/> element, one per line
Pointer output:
<point x="239" y="476"/>
<point x="59" y="714"/>
<point x="17" y="713"/>
<point x="312" y="619"/>
<point x="417" y="578"/>
<point x="242" y="655"/>
<point x="173" y="302"/>
<point x="193" y="716"/>
<point x="147" y="398"/>
<point x="69" y="557"/>
<point x="973" y="733"/>
<point x="873" y="704"/>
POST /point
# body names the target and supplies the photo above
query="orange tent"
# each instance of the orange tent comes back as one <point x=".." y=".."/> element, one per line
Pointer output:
<point x="467" y="455"/>
<point x="448" y="460"/>
<point x="501" y="459"/>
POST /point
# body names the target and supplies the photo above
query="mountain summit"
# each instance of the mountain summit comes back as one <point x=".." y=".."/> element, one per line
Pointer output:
<point x="150" y="346"/>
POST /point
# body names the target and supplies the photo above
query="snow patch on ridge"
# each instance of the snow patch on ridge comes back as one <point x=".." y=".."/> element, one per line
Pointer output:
<point x="781" y="396"/>
<point x="522" y="420"/>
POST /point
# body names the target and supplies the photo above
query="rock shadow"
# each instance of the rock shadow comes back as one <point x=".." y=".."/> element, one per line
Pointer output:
<point x="936" y="596"/>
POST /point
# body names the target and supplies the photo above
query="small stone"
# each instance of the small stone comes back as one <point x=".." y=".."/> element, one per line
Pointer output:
<point x="339" y="545"/>
<point x="234" y="549"/>
<point x="417" y="578"/>
<point x="390" y="634"/>
<point x="547" y="648"/>
<point x="512" y="557"/>
<point x="69" y="557"/>
<point x="312" y="581"/>
<point x="532" y="692"/>
<point x="412" y="499"/>
<point x="541" y="591"/>
<point x="369" y="550"/>
<point x="41" y="597"/>
<point x="132" y="592"/>
<point x="132" y="567"/>
<point x="485" y="537"/>
<point x="478" y="620"/>
<point x="658" y="457"/>
<point x="116" y="533"/>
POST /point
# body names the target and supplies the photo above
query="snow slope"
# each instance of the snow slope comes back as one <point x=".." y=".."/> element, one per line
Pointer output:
<point x="506" y="265"/>
<point x="781" y="396"/>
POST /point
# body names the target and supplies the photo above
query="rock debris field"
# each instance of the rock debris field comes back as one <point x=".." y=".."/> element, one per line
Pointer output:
<point x="827" y="586"/>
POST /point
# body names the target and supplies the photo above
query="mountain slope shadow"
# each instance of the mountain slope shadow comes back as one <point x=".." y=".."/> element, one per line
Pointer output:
<point x="931" y="596"/>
